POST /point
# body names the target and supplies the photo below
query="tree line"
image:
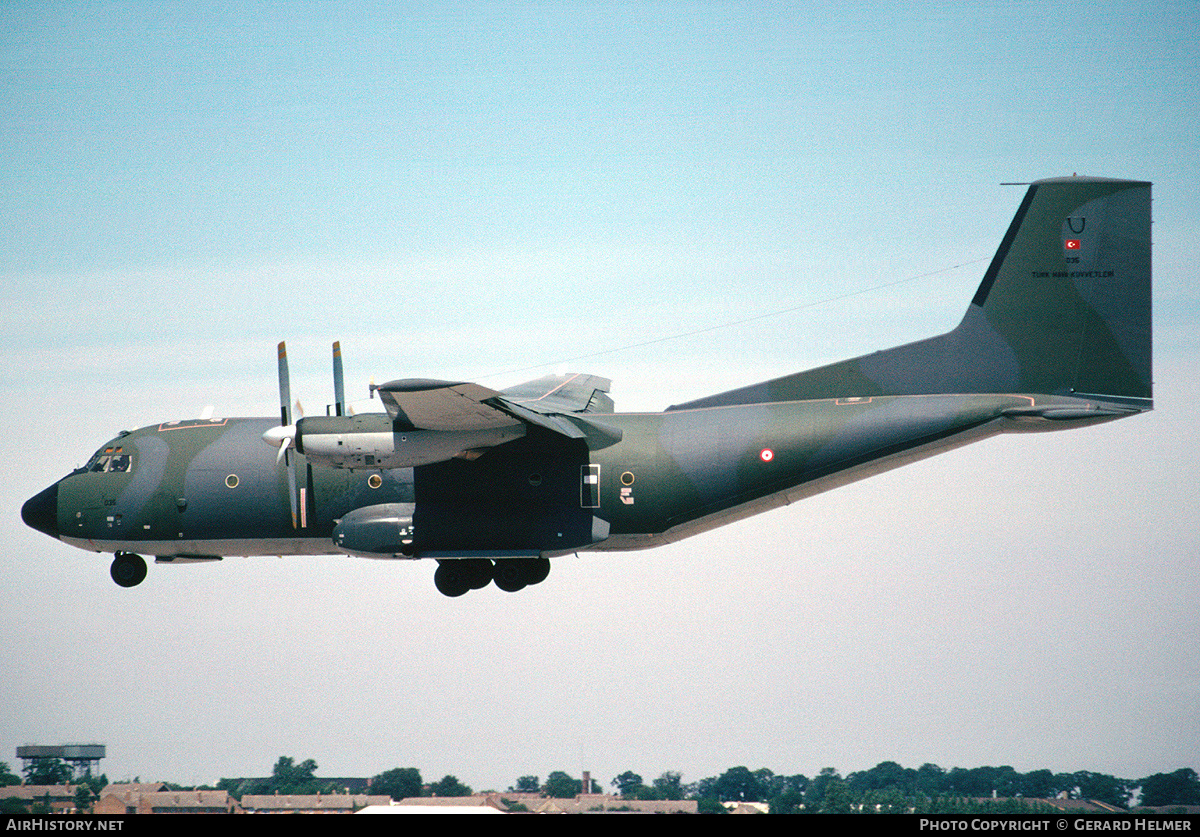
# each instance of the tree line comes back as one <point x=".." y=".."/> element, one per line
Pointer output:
<point x="887" y="787"/>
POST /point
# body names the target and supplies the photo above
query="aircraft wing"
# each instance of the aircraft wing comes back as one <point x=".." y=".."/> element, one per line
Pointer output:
<point x="549" y="403"/>
<point x="420" y="404"/>
<point x="575" y="393"/>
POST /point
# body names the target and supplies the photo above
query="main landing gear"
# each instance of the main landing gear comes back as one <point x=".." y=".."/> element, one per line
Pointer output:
<point x="128" y="570"/>
<point x="455" y="577"/>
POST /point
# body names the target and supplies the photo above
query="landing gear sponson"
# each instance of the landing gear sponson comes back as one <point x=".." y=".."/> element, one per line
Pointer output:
<point x="455" y="577"/>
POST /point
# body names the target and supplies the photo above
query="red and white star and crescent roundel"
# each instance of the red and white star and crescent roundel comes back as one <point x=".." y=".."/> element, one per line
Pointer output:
<point x="767" y="455"/>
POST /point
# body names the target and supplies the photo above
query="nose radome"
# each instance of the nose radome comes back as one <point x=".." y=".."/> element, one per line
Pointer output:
<point x="41" y="511"/>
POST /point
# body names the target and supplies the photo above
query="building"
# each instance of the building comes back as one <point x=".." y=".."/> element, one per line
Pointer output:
<point x="319" y="803"/>
<point x="167" y="802"/>
<point x="59" y="799"/>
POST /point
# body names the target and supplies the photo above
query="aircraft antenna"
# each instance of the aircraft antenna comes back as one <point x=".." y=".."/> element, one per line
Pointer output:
<point x="776" y="313"/>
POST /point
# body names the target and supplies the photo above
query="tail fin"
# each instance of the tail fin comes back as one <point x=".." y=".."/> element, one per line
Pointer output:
<point x="1064" y="308"/>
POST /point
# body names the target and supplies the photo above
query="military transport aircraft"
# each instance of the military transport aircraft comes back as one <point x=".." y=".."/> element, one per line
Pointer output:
<point x="493" y="484"/>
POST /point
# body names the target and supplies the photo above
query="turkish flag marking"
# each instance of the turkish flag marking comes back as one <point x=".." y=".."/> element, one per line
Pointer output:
<point x="1071" y="244"/>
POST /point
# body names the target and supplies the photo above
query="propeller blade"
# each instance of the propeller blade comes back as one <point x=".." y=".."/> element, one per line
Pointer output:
<point x="286" y="432"/>
<point x="291" y="472"/>
<point x="339" y="390"/>
<point x="285" y="387"/>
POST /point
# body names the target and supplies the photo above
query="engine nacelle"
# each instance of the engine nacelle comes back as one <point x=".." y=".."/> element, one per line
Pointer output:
<point x="372" y="441"/>
<point x="382" y="531"/>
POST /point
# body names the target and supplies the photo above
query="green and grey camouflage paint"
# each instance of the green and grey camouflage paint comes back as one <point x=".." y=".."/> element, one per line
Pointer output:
<point x="1057" y="336"/>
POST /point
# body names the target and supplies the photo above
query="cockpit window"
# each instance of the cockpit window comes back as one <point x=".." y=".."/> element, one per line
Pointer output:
<point x="111" y="459"/>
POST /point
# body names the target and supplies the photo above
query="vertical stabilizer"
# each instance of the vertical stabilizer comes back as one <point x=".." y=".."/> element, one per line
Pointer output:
<point x="1064" y="308"/>
<point x="1069" y="289"/>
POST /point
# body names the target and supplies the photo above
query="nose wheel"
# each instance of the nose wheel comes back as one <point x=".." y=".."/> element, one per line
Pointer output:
<point x="128" y="569"/>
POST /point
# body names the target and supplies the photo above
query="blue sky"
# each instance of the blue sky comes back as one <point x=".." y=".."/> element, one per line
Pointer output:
<point x="467" y="190"/>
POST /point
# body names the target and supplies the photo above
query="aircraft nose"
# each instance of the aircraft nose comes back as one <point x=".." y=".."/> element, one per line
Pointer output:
<point x="41" y="511"/>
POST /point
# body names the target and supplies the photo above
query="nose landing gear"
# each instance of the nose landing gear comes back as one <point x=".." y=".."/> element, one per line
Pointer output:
<point x="128" y="569"/>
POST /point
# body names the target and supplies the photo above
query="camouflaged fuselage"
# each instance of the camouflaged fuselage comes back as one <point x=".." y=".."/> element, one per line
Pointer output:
<point x="1058" y="335"/>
